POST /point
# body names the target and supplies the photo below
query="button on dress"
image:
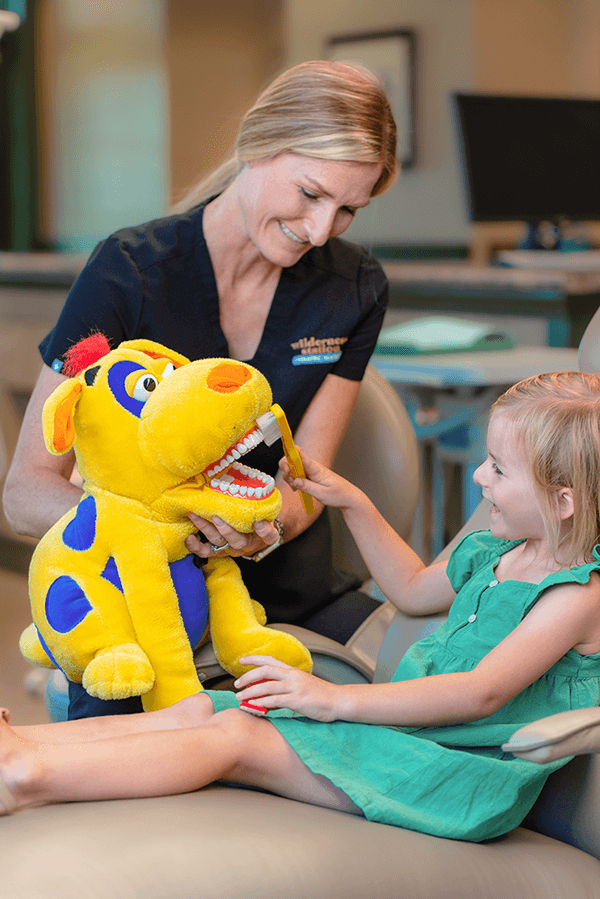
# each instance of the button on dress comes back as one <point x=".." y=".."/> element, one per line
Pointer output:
<point x="453" y="780"/>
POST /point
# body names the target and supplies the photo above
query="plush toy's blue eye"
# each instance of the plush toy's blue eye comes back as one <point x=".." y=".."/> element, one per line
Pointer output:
<point x="144" y="387"/>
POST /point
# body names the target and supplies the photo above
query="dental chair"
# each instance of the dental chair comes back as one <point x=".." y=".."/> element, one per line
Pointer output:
<point x="226" y="842"/>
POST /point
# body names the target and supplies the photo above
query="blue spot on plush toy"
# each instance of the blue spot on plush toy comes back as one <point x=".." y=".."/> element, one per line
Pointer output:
<point x="117" y="601"/>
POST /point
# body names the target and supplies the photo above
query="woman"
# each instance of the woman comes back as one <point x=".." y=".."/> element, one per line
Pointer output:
<point x="249" y="267"/>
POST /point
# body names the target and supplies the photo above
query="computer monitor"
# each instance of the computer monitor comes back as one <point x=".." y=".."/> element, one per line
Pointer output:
<point x="530" y="159"/>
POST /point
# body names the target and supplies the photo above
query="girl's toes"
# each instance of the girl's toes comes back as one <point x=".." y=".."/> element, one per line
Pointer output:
<point x="7" y="800"/>
<point x="8" y="804"/>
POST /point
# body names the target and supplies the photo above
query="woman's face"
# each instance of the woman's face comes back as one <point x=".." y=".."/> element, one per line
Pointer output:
<point x="290" y="203"/>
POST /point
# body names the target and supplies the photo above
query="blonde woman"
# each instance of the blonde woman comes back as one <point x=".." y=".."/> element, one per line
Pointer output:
<point x="250" y="266"/>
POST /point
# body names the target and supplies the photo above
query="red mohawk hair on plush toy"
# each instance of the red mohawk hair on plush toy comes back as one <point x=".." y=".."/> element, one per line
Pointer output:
<point x="85" y="352"/>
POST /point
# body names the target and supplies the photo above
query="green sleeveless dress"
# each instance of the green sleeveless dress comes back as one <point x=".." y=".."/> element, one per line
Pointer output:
<point x="455" y="780"/>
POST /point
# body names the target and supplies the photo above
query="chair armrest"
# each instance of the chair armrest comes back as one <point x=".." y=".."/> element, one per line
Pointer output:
<point x="366" y="642"/>
<point x="558" y="736"/>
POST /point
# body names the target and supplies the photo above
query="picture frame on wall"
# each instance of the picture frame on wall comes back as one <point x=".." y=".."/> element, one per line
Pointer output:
<point x="391" y="56"/>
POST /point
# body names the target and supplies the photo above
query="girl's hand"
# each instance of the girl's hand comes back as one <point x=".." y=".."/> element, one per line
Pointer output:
<point x="287" y="688"/>
<point x="234" y="543"/>
<point x="326" y="486"/>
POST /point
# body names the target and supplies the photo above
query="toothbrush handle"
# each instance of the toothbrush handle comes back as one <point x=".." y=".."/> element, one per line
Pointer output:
<point x="297" y="469"/>
<point x="305" y="499"/>
<point x="292" y="455"/>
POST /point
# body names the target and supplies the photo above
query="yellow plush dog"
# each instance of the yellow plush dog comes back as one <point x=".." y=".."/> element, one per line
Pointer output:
<point x="118" y="603"/>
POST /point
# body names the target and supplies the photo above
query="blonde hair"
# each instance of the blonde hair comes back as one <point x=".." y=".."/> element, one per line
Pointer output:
<point x="557" y="421"/>
<point x="327" y="110"/>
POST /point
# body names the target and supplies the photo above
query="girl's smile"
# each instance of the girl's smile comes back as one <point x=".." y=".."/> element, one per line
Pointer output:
<point x="507" y="484"/>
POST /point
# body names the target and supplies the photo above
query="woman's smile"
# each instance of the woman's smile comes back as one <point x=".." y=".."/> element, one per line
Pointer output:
<point x="290" y="234"/>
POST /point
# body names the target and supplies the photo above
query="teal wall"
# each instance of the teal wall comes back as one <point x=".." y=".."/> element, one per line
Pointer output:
<point x="110" y="128"/>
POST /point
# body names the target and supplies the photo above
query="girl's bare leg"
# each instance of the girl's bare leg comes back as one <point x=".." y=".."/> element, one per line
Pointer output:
<point x="188" y="712"/>
<point x="231" y="745"/>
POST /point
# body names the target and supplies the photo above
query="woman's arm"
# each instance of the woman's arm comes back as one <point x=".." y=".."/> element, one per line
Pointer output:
<point x="564" y="617"/>
<point x="37" y="491"/>
<point x="320" y="432"/>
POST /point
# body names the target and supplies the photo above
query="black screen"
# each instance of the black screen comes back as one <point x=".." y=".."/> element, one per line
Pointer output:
<point x="530" y="158"/>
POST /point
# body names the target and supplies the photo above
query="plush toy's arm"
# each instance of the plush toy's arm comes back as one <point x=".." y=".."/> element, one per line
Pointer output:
<point x="154" y="609"/>
<point x="234" y="627"/>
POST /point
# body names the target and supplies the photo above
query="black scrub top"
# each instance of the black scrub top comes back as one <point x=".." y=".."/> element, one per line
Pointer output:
<point x="156" y="281"/>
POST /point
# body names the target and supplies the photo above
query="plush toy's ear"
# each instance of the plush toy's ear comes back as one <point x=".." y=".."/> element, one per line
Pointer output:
<point x="155" y="351"/>
<point x="57" y="417"/>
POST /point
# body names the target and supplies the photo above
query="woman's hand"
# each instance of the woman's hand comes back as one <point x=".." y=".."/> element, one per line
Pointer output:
<point x="234" y="543"/>
<point x="287" y="688"/>
<point x="321" y="483"/>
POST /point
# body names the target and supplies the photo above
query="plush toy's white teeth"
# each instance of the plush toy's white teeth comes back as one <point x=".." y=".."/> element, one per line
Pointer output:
<point x="245" y="482"/>
<point x="248" y="442"/>
<point x="230" y="477"/>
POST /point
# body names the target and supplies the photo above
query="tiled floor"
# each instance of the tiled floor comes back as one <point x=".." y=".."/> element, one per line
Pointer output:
<point x="14" y="617"/>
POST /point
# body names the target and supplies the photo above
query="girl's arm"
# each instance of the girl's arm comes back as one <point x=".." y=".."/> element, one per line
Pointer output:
<point x="565" y="617"/>
<point x="321" y="431"/>
<point x="413" y="587"/>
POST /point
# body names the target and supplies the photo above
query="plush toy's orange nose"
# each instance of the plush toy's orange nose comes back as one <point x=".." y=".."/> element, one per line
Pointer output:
<point x="227" y="377"/>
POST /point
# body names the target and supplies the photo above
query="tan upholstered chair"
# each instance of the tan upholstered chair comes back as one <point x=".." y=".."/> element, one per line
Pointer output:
<point x="226" y="842"/>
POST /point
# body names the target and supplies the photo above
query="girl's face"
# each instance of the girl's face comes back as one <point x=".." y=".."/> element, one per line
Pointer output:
<point x="506" y="482"/>
<point x="290" y="203"/>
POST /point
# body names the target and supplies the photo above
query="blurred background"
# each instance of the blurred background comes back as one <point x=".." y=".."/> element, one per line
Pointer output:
<point x="110" y="109"/>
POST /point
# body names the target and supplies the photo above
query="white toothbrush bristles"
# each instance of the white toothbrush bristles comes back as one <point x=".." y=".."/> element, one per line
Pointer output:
<point x="269" y="428"/>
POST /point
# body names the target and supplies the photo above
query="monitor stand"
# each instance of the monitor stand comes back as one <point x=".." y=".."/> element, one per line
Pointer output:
<point x="541" y="236"/>
<point x="547" y="235"/>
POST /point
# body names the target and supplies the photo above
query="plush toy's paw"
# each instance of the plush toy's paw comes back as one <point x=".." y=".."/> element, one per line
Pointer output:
<point x="32" y="649"/>
<point x="267" y="641"/>
<point x="119" y="672"/>
<point x="261" y="641"/>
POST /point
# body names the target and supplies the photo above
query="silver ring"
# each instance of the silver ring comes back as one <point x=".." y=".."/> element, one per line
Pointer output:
<point x="219" y="549"/>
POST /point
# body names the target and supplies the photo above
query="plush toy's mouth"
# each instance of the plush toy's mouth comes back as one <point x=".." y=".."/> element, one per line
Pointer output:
<point x="228" y="476"/>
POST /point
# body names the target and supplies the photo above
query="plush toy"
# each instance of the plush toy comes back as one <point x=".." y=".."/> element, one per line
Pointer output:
<point x="118" y="603"/>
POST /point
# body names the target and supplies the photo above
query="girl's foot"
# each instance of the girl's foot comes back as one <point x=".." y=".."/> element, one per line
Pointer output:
<point x="8" y="803"/>
<point x="12" y="767"/>
<point x="7" y="800"/>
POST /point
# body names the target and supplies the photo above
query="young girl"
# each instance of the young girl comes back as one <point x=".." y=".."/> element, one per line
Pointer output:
<point x="522" y="641"/>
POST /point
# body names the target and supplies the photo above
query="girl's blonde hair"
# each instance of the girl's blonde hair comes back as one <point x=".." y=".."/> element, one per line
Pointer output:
<point x="557" y="420"/>
<point x="327" y="110"/>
